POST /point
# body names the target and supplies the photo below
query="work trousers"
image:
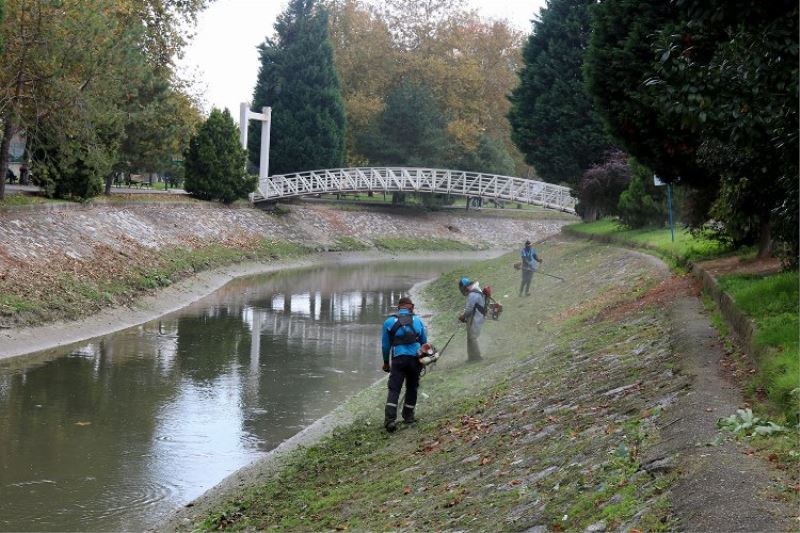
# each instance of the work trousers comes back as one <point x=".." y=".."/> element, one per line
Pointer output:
<point x="404" y="368"/>
<point x="527" y="276"/>
<point x="473" y="349"/>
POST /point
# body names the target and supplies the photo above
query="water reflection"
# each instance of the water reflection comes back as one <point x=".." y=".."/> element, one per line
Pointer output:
<point x="116" y="432"/>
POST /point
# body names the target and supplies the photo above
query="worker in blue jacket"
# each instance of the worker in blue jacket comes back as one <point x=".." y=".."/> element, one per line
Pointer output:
<point x="529" y="259"/>
<point x="403" y="334"/>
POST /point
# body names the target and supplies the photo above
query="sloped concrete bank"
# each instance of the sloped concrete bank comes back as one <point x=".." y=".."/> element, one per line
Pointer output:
<point x="50" y="250"/>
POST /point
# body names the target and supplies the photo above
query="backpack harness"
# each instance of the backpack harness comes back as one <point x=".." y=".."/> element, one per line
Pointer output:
<point x="478" y="307"/>
<point x="408" y="336"/>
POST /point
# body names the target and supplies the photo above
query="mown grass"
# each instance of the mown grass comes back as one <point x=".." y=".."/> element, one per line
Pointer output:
<point x="772" y="302"/>
<point x="471" y="462"/>
<point x="13" y="200"/>
<point x="687" y="246"/>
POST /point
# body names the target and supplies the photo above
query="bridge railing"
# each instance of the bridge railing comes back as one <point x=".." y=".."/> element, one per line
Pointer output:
<point x="427" y="180"/>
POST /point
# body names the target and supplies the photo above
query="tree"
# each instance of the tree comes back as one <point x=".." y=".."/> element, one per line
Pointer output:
<point x="467" y="64"/>
<point x="728" y="72"/>
<point x="553" y="120"/>
<point x="409" y="132"/>
<point x="490" y="156"/>
<point x="367" y="62"/>
<point x="298" y="80"/>
<point x="69" y="59"/>
<point x="642" y="203"/>
<point x="602" y="184"/>
<point x="619" y="60"/>
<point x="215" y="161"/>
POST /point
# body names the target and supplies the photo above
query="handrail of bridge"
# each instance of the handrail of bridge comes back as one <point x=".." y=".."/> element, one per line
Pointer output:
<point x="407" y="179"/>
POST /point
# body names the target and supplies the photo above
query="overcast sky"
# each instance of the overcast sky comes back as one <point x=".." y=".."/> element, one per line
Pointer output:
<point x="223" y="56"/>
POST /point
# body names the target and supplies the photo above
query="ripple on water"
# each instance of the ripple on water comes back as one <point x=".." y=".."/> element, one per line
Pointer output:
<point x="124" y="499"/>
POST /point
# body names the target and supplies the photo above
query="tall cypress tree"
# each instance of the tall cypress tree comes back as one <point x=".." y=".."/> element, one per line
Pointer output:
<point x="552" y="117"/>
<point x="298" y="80"/>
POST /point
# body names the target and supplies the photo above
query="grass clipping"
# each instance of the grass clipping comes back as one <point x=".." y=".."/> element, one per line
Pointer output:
<point x="548" y="431"/>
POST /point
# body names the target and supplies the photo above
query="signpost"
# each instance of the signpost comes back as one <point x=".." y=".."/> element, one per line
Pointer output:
<point x="658" y="183"/>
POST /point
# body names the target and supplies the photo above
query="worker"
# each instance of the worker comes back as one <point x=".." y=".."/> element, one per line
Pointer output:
<point x="529" y="259"/>
<point x="403" y="334"/>
<point x="473" y="315"/>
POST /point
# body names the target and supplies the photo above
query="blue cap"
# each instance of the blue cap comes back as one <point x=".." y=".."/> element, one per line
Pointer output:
<point x="464" y="282"/>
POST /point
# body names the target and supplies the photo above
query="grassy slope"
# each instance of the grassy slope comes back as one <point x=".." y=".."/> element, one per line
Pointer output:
<point x="687" y="247"/>
<point x="549" y="430"/>
<point x="771" y="301"/>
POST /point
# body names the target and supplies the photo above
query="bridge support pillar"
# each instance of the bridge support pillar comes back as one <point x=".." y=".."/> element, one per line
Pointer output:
<point x="245" y="115"/>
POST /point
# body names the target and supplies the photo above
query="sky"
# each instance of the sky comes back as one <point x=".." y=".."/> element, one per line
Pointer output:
<point x="223" y="59"/>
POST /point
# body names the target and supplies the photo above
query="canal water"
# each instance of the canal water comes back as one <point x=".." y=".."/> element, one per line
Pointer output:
<point x="116" y="432"/>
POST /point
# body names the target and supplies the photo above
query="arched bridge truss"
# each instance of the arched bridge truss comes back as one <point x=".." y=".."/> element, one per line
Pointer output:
<point x="421" y="180"/>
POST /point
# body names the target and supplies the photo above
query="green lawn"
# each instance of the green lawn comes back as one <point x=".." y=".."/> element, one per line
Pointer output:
<point x="687" y="246"/>
<point x="772" y="302"/>
<point x="12" y="200"/>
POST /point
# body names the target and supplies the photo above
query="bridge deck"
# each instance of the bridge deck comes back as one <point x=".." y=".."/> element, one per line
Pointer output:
<point x="424" y="180"/>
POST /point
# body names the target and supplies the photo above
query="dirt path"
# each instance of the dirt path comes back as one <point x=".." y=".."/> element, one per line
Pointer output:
<point x="720" y="487"/>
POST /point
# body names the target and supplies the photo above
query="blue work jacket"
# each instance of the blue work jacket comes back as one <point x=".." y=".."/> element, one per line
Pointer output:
<point x="402" y="349"/>
<point x="528" y="257"/>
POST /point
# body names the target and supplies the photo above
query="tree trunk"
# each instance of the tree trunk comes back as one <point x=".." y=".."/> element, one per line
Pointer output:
<point x="764" y="235"/>
<point x="109" y="182"/>
<point x="5" y="152"/>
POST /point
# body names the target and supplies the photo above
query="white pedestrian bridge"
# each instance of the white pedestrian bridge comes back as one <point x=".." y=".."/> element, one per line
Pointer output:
<point x="419" y="180"/>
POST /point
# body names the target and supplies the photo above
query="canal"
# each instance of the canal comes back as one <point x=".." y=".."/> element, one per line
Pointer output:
<point x="116" y="432"/>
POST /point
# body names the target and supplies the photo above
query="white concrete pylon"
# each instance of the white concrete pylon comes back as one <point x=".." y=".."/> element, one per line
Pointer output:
<point x="245" y="115"/>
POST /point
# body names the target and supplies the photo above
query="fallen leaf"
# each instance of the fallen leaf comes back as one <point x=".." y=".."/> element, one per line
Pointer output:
<point x="406" y="490"/>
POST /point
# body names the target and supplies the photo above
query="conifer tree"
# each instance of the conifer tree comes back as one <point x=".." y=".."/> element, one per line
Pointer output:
<point x="552" y="117"/>
<point x="215" y="162"/>
<point x="298" y="80"/>
<point x="411" y="130"/>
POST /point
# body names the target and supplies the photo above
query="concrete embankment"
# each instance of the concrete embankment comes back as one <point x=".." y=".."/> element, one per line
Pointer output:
<point x="124" y="264"/>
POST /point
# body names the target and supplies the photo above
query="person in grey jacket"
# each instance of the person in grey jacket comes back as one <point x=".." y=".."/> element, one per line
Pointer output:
<point x="473" y="315"/>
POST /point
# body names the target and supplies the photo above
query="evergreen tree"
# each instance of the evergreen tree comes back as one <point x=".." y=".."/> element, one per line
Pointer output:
<point x="490" y="156"/>
<point x="298" y="80"/>
<point x="215" y="162"/>
<point x="552" y="117"/>
<point x="642" y="203"/>
<point x="619" y="60"/>
<point x="411" y="130"/>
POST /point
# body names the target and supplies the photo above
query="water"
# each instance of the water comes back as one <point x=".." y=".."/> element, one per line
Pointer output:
<point x="117" y="432"/>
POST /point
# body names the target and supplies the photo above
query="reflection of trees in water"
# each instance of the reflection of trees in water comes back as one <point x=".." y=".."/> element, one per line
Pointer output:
<point x="83" y="422"/>
<point x="288" y="349"/>
<point x="330" y="280"/>
<point x="209" y="344"/>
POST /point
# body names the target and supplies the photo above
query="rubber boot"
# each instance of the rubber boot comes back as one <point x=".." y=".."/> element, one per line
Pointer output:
<point x="408" y="415"/>
<point x="390" y="417"/>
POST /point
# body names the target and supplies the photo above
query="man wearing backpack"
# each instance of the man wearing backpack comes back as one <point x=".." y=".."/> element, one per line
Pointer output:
<point x="403" y="334"/>
<point x="528" y="256"/>
<point x="473" y="315"/>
